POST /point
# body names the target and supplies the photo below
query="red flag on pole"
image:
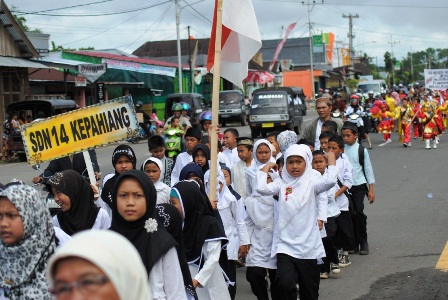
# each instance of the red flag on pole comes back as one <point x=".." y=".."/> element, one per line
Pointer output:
<point x="240" y="40"/>
<point x="280" y="45"/>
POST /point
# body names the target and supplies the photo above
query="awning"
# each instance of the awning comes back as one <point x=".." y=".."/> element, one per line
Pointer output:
<point x="55" y="60"/>
<point x="19" y="63"/>
<point x="260" y="77"/>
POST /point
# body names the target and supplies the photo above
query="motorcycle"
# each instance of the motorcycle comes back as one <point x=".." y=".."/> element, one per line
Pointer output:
<point x="45" y="194"/>
<point x="142" y="134"/>
<point x="173" y="142"/>
<point x="337" y="114"/>
<point x="356" y="119"/>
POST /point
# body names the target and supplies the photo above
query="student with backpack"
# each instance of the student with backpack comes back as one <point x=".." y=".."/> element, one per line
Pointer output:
<point x="363" y="181"/>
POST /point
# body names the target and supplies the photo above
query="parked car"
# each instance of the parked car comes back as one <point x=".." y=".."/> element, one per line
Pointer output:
<point x="196" y="101"/>
<point x="377" y="86"/>
<point x="231" y="107"/>
<point x="37" y="109"/>
<point x="273" y="109"/>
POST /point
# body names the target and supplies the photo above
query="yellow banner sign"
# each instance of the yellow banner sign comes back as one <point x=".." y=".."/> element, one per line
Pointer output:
<point x="79" y="130"/>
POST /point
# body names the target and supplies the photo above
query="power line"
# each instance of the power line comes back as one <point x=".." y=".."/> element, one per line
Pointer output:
<point x="66" y="7"/>
<point x="95" y="15"/>
<point x="204" y="17"/>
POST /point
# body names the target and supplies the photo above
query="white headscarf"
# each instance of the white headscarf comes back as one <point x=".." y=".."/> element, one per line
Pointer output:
<point x="300" y="187"/>
<point x="252" y="170"/>
<point x="225" y="197"/>
<point x="159" y="183"/>
<point x="114" y="255"/>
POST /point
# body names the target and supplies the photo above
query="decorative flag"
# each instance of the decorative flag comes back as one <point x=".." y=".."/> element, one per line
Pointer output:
<point x="240" y="40"/>
<point x="280" y="45"/>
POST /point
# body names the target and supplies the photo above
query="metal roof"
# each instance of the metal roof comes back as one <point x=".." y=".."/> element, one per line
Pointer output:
<point x="55" y="60"/>
<point x="6" y="61"/>
<point x="8" y="21"/>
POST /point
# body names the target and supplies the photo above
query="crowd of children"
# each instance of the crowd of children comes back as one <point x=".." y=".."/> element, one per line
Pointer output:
<point x="189" y="235"/>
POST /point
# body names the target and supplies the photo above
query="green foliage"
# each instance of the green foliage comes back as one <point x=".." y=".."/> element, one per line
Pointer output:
<point x="352" y="83"/>
<point x="22" y="22"/>
<point x="58" y="48"/>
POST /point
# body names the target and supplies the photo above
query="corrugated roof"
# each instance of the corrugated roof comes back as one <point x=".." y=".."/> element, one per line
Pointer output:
<point x="127" y="58"/>
<point x="169" y="48"/>
<point x="55" y="60"/>
<point x="16" y="62"/>
<point x="7" y="20"/>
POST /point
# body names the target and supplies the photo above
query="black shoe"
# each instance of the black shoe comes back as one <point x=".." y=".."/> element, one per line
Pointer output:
<point x="354" y="251"/>
<point x="364" y="249"/>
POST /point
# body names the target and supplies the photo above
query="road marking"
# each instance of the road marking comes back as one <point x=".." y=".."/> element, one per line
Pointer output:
<point x="442" y="264"/>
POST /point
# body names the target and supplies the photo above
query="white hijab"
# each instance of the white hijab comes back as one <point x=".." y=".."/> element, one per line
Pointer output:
<point x="159" y="185"/>
<point x="225" y="197"/>
<point x="114" y="255"/>
<point x="301" y="187"/>
<point x="252" y="170"/>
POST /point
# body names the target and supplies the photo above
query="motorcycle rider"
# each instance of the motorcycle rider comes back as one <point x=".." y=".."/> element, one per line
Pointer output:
<point x="356" y="109"/>
<point x="339" y="104"/>
<point x="146" y="118"/>
<point x="177" y="111"/>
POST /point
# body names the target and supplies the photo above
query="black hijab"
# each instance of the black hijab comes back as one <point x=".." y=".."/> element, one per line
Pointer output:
<point x="123" y="149"/>
<point x="200" y="223"/>
<point x="206" y="151"/>
<point x="150" y="245"/>
<point x="170" y="218"/>
<point x="83" y="211"/>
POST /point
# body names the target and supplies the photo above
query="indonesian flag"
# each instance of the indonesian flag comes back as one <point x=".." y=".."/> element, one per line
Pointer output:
<point x="240" y="40"/>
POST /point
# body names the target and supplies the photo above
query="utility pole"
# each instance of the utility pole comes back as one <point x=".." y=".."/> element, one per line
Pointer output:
<point x="190" y="62"/>
<point x="350" y="35"/>
<point x="179" y="60"/>
<point x="392" y="43"/>
<point x="412" y="66"/>
<point x="310" y="6"/>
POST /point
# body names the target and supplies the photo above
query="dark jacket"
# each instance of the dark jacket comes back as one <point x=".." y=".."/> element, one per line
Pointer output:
<point x="64" y="163"/>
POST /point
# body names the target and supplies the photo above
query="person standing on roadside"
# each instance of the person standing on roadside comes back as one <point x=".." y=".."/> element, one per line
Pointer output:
<point x="312" y="130"/>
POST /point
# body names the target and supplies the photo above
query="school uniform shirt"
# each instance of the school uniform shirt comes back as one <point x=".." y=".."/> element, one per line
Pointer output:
<point x="233" y="221"/>
<point x="210" y="273"/>
<point x="102" y="221"/>
<point x="181" y="160"/>
<point x="333" y="209"/>
<point x="299" y="207"/>
<point x="161" y="278"/>
<point x="61" y="236"/>
<point x="345" y="176"/>
<point x="222" y="159"/>
<point x="261" y="215"/>
<point x="3" y="293"/>
<point x="232" y="156"/>
<point x="358" y="176"/>
<point x="163" y="190"/>
<point x="239" y="178"/>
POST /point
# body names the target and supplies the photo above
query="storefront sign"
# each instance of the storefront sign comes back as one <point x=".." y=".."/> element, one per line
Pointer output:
<point x="92" y="72"/>
<point x="140" y="68"/>
<point x="100" y="92"/>
<point x="79" y="130"/>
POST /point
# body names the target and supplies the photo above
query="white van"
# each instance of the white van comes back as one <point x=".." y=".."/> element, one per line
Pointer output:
<point x="377" y="86"/>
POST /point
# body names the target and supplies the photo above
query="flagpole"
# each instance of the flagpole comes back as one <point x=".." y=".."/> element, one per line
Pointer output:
<point x="215" y="102"/>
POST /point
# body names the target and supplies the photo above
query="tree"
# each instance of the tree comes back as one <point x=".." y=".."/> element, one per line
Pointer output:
<point x="22" y="22"/>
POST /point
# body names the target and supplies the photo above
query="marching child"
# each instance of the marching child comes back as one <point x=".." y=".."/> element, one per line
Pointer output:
<point x="193" y="137"/>
<point x="386" y="122"/>
<point x="345" y="231"/>
<point x="331" y="262"/>
<point x="156" y="146"/>
<point x="153" y="167"/>
<point x="323" y="138"/>
<point x="363" y="180"/>
<point x="298" y="251"/>
<point x="431" y="129"/>
<point x="261" y="213"/>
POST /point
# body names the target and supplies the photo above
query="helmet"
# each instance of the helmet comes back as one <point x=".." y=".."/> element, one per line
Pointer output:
<point x="205" y="116"/>
<point x="185" y="106"/>
<point x="370" y="92"/>
<point x="337" y="95"/>
<point x="354" y="99"/>
<point x="176" y="107"/>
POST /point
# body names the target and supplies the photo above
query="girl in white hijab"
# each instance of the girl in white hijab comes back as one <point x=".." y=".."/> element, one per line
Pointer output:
<point x="114" y="266"/>
<point x="153" y="167"/>
<point x="297" y="239"/>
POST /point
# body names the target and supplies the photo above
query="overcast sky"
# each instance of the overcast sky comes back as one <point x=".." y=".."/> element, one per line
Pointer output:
<point x="408" y="24"/>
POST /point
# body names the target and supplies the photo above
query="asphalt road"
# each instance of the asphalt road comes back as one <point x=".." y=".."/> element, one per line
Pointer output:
<point x="407" y="224"/>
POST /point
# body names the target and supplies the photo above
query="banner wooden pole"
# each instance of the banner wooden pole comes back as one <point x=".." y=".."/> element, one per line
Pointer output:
<point x="215" y="103"/>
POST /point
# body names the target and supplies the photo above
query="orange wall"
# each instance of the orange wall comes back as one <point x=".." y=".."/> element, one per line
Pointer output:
<point x="302" y="79"/>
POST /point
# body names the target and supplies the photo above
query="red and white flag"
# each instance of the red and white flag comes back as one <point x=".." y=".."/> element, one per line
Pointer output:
<point x="240" y="40"/>
<point x="280" y="45"/>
